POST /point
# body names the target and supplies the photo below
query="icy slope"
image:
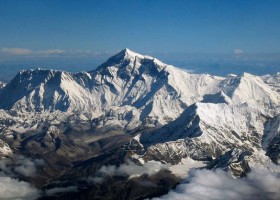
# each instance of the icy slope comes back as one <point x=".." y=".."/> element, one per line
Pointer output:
<point x="252" y="91"/>
<point x="213" y="121"/>
<point x="158" y="90"/>
<point x="38" y="90"/>
<point x="205" y="131"/>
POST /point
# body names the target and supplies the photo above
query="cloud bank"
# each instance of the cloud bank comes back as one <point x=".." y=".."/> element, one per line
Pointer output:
<point x="11" y="187"/>
<point x="16" y="51"/>
<point x="133" y="170"/>
<point x="220" y="185"/>
<point x="129" y="169"/>
<point x="48" y="52"/>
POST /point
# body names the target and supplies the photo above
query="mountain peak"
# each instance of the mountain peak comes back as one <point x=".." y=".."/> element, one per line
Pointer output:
<point x="128" y="54"/>
<point x="127" y="50"/>
<point x="125" y="54"/>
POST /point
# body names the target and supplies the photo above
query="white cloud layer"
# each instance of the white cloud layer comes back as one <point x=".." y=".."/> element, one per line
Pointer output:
<point x="16" y="51"/>
<point x="132" y="170"/>
<point x="23" y="52"/>
<point x="219" y="185"/>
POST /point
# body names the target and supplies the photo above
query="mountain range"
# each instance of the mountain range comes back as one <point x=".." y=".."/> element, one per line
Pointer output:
<point x="134" y="109"/>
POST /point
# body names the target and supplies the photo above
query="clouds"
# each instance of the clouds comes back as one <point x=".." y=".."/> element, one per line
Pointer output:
<point x="130" y="169"/>
<point x="133" y="170"/>
<point x="238" y="51"/>
<point x="27" y="167"/>
<point x="16" y="51"/>
<point x="219" y="185"/>
<point x="29" y="52"/>
<point x="24" y="52"/>
<point x="20" y="165"/>
<point x="55" y="191"/>
<point x="11" y="188"/>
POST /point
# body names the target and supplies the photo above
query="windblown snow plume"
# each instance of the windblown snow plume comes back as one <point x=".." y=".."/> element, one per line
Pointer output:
<point x="219" y="185"/>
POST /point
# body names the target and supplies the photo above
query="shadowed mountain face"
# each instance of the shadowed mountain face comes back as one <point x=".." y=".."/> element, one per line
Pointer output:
<point x="131" y="128"/>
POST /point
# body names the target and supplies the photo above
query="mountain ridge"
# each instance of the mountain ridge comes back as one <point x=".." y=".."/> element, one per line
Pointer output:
<point x="135" y="80"/>
<point x="158" y="93"/>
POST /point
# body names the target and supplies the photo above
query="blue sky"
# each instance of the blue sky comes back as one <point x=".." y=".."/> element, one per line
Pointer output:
<point x="31" y="31"/>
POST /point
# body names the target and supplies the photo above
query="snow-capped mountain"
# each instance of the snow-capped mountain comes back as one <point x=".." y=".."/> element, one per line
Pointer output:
<point x="136" y="107"/>
<point x="159" y="92"/>
<point x="240" y="116"/>
<point x="39" y="90"/>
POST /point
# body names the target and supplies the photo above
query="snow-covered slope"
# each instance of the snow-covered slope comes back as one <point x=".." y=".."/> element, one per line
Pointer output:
<point x="206" y="130"/>
<point x="131" y="90"/>
<point x="159" y="91"/>
<point x="214" y="121"/>
<point x="39" y="90"/>
<point x="252" y="91"/>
